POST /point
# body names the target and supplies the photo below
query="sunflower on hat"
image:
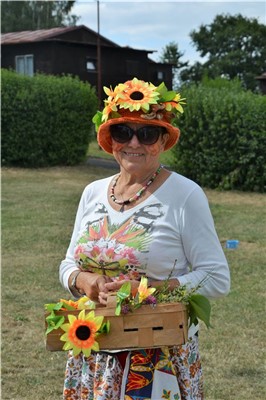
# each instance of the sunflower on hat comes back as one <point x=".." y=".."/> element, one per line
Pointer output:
<point x="134" y="95"/>
<point x="137" y="95"/>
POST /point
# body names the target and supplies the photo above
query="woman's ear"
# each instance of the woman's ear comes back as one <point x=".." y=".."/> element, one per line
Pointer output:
<point x="164" y="139"/>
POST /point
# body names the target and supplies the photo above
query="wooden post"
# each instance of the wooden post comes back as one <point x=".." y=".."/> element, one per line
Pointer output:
<point x="99" y="66"/>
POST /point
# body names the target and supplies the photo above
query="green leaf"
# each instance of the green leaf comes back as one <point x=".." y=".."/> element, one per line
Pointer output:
<point x="200" y="308"/>
<point x="122" y="294"/>
<point x="97" y="119"/>
<point x="118" y="308"/>
<point x="162" y="89"/>
<point x="114" y="114"/>
<point x="192" y="317"/>
<point x="54" y="306"/>
<point x="57" y="306"/>
<point x="54" y="322"/>
<point x="105" y="327"/>
<point x="67" y="306"/>
<point x="168" y="96"/>
<point x="124" y="291"/>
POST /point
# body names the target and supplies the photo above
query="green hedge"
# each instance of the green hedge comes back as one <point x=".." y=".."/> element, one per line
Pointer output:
<point x="46" y="120"/>
<point x="223" y="137"/>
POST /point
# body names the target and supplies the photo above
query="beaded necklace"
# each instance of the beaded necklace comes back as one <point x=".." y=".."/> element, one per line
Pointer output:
<point x="139" y="192"/>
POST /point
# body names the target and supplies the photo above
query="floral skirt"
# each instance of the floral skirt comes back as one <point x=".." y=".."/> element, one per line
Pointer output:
<point x="168" y="373"/>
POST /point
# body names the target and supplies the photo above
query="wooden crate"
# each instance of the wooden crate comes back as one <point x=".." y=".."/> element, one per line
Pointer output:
<point x="164" y="325"/>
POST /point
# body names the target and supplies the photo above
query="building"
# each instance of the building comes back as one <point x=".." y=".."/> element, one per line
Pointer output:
<point x="262" y="82"/>
<point x="80" y="51"/>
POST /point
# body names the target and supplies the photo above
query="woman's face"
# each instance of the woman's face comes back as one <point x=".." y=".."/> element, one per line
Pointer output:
<point x="136" y="155"/>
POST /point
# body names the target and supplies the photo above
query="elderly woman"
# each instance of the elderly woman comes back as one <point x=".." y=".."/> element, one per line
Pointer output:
<point x="141" y="222"/>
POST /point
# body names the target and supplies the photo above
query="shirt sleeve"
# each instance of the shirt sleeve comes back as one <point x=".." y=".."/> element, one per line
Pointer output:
<point x="68" y="265"/>
<point x="209" y="267"/>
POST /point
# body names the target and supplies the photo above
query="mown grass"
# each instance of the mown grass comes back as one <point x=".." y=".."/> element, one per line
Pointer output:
<point x="38" y="210"/>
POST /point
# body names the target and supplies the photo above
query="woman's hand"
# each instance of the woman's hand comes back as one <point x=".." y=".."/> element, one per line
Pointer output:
<point x="92" y="284"/>
<point x="114" y="287"/>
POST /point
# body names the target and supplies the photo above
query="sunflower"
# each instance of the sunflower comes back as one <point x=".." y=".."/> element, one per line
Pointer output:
<point x="137" y="95"/>
<point x="81" y="332"/>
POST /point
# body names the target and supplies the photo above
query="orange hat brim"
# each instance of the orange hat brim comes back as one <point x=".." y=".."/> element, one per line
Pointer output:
<point x="105" y="140"/>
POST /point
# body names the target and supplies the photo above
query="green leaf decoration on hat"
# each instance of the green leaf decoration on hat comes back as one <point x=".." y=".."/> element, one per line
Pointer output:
<point x="138" y="95"/>
<point x="168" y="96"/>
<point x="97" y="120"/>
<point x="165" y="94"/>
<point x="162" y="89"/>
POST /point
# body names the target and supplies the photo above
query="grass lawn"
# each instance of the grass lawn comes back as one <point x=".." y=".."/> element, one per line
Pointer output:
<point x="38" y="210"/>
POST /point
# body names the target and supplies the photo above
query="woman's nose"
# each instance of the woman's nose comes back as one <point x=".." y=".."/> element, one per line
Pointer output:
<point x="134" y="141"/>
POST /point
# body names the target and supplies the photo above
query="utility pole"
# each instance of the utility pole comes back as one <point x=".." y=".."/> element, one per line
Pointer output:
<point x="99" y="67"/>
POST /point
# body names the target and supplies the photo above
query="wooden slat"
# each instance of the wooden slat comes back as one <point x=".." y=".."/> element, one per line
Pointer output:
<point x="163" y="325"/>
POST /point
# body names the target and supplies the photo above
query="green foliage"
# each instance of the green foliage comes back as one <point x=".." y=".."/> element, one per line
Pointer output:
<point x="46" y="120"/>
<point x="234" y="46"/>
<point x="223" y="137"/>
<point x="199" y="308"/>
<point x="171" y="55"/>
<point x="31" y="15"/>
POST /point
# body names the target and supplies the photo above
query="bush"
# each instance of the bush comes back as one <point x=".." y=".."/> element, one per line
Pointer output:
<point x="46" y="120"/>
<point x="223" y="137"/>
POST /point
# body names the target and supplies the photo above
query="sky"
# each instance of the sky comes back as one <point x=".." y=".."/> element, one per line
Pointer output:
<point x="151" y="25"/>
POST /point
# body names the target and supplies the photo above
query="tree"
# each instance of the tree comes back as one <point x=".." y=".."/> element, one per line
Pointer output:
<point x="171" y="55"/>
<point x="235" y="47"/>
<point x="32" y="15"/>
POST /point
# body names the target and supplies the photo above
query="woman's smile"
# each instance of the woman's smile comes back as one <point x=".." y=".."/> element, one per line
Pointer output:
<point x="130" y="154"/>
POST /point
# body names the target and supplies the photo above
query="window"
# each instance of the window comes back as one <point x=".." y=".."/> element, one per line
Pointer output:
<point x="160" y="75"/>
<point x="91" y="65"/>
<point x="24" y="64"/>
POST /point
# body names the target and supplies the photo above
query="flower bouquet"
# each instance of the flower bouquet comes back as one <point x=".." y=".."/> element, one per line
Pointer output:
<point x="149" y="317"/>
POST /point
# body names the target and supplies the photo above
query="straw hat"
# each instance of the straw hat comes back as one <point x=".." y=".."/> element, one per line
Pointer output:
<point x="140" y="102"/>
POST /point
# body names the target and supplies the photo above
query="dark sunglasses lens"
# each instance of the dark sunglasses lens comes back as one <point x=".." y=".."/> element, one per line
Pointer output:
<point x="121" y="133"/>
<point x="149" y="134"/>
<point x="146" y="135"/>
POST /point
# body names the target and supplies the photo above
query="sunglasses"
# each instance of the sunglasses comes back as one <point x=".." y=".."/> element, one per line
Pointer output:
<point x="148" y="134"/>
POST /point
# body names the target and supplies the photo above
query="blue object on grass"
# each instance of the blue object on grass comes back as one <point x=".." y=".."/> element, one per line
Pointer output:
<point x="232" y="244"/>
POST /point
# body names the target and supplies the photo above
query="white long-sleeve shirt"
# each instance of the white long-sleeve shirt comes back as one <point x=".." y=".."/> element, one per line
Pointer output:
<point x="173" y="226"/>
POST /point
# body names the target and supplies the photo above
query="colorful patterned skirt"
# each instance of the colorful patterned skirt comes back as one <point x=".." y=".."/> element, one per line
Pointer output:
<point x="167" y="373"/>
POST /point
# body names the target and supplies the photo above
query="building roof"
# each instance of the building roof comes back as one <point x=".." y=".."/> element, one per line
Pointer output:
<point x="45" y="34"/>
<point x="262" y="76"/>
<point x="32" y="36"/>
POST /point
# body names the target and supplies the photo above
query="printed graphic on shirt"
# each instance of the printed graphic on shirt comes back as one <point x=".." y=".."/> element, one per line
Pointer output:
<point x="117" y="250"/>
